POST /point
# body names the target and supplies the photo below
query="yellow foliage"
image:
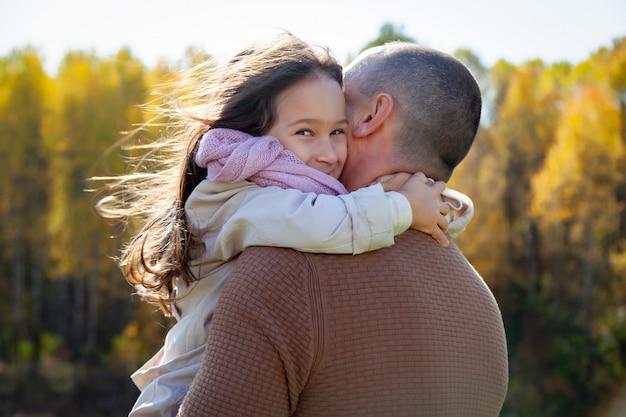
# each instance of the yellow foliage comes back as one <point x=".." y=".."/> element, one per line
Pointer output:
<point x="480" y="177"/>
<point x="618" y="260"/>
<point x="581" y="170"/>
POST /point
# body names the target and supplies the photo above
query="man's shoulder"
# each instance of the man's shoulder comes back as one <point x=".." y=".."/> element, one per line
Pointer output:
<point x="423" y="243"/>
<point x="268" y="275"/>
<point x="270" y="263"/>
<point x="412" y="249"/>
<point x="269" y="254"/>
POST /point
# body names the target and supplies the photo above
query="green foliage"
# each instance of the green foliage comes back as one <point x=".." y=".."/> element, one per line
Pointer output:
<point x="24" y="350"/>
<point x="389" y="33"/>
<point x="128" y="348"/>
<point x="51" y="344"/>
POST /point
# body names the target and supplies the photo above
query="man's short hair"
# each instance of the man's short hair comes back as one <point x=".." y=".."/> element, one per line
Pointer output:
<point x="438" y="102"/>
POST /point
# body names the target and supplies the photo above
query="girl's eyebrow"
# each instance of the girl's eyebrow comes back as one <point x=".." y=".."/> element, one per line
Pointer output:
<point x="313" y="120"/>
<point x="303" y="120"/>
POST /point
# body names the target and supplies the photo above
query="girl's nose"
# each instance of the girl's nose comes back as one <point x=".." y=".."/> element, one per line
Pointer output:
<point x="327" y="152"/>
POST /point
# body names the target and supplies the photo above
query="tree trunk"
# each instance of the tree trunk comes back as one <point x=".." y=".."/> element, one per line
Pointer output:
<point x="92" y="315"/>
<point x="587" y="297"/>
<point x="533" y="266"/>
<point x="78" y="316"/>
<point x="36" y="305"/>
<point x="17" y="313"/>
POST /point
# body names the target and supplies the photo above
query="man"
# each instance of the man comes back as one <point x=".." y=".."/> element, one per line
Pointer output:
<point x="410" y="330"/>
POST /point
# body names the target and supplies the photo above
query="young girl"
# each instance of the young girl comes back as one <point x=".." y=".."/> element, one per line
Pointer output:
<point x="264" y="143"/>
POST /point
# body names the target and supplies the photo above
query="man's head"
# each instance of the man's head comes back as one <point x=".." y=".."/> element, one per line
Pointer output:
<point x="410" y="109"/>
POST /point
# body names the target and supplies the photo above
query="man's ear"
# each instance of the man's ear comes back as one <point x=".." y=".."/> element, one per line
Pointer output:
<point x="379" y="113"/>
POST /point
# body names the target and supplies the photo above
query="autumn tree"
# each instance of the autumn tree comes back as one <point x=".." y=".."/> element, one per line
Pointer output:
<point x="575" y="196"/>
<point x="94" y="101"/>
<point x="23" y="195"/>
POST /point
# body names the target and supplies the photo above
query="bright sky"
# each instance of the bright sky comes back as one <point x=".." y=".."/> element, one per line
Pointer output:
<point x="551" y="30"/>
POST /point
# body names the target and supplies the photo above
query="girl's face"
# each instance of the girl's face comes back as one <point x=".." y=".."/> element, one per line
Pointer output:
<point x="311" y="122"/>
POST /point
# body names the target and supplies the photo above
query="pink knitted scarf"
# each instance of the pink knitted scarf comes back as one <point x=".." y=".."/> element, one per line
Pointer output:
<point x="231" y="156"/>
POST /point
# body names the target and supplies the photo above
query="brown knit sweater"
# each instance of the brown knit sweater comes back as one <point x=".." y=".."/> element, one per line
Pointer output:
<point x="410" y="330"/>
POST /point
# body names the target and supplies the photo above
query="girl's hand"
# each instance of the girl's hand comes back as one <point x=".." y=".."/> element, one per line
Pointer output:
<point x="429" y="209"/>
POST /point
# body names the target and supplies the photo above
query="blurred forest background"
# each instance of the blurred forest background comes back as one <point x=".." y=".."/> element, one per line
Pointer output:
<point x="547" y="174"/>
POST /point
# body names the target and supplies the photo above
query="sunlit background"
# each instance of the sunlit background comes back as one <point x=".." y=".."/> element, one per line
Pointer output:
<point x="552" y="30"/>
<point x="547" y="174"/>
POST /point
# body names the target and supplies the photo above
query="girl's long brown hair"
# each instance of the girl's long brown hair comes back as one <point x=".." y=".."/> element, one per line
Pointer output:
<point x="238" y="95"/>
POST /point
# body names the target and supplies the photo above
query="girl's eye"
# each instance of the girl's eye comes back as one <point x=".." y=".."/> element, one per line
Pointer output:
<point x="337" y="132"/>
<point x="304" y="132"/>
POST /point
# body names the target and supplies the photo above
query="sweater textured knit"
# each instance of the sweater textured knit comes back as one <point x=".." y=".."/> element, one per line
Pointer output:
<point x="409" y="330"/>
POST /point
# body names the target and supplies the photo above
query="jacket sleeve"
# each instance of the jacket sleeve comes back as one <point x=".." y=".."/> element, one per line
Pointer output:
<point x="364" y="220"/>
